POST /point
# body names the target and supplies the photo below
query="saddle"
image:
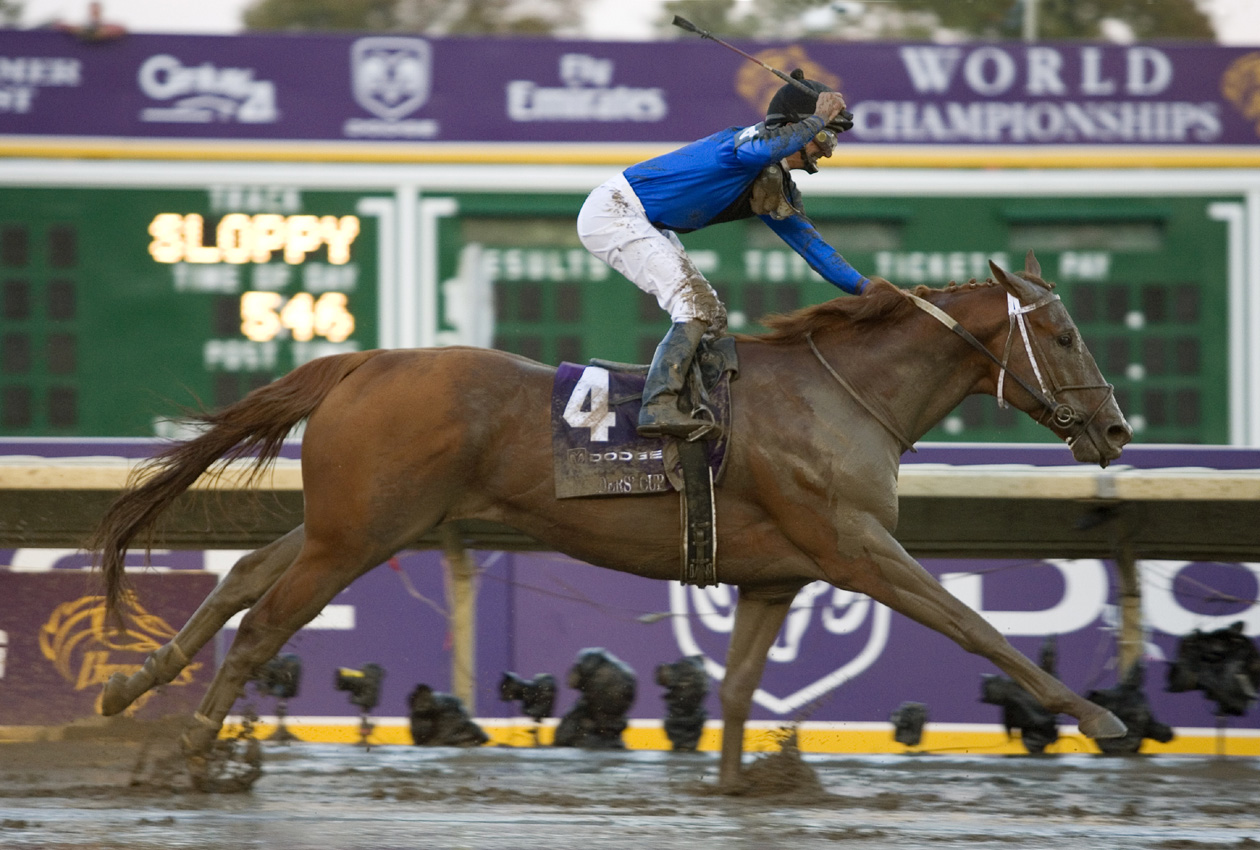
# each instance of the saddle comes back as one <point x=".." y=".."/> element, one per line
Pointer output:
<point x="598" y="452"/>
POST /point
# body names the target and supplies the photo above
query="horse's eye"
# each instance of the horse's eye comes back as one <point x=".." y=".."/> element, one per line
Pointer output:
<point x="1065" y="340"/>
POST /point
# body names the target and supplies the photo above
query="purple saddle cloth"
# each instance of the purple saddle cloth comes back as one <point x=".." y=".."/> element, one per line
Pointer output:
<point x="598" y="452"/>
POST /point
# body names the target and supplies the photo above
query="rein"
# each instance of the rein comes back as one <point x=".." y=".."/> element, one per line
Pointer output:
<point x="882" y="416"/>
<point x="1060" y="413"/>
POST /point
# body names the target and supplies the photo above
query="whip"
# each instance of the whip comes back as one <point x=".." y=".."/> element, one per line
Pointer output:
<point x="845" y="117"/>
<point x="680" y="21"/>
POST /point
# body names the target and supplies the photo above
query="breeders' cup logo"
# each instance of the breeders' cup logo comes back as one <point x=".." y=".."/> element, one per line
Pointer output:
<point x="391" y="79"/>
<point x="204" y="93"/>
<point x="86" y="651"/>
<point x="1241" y="86"/>
<point x="757" y="87"/>
<point x="850" y="622"/>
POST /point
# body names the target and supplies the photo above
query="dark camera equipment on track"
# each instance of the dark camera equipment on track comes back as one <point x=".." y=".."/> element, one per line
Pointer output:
<point x="1224" y="665"/>
<point x="537" y="696"/>
<point x="908" y="721"/>
<point x="364" y="687"/>
<point x="686" y="686"/>
<point x="440" y="720"/>
<point x="1128" y="701"/>
<point x="280" y="678"/>
<point x="599" y="717"/>
<point x="1020" y="709"/>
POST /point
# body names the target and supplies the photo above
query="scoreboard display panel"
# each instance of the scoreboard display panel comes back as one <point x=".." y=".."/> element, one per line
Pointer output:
<point x="123" y="307"/>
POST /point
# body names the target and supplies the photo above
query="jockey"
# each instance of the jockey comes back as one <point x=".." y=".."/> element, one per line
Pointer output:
<point x="631" y="222"/>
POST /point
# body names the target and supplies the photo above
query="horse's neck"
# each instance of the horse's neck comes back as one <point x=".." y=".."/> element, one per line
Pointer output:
<point x="915" y="367"/>
<point x="949" y="369"/>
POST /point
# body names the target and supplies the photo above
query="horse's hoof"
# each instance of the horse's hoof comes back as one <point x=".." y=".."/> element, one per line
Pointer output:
<point x="1104" y="724"/>
<point x="198" y="767"/>
<point x="114" y="695"/>
<point x="228" y="767"/>
<point x="196" y="742"/>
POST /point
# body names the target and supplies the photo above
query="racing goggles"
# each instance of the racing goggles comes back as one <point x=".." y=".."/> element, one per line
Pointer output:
<point x="825" y="139"/>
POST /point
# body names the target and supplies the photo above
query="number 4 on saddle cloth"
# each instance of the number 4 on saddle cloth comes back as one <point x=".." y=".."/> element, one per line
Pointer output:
<point x="598" y="452"/>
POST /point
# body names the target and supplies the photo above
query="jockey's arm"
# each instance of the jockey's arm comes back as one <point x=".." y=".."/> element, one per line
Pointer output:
<point x="805" y="240"/>
<point x="759" y="147"/>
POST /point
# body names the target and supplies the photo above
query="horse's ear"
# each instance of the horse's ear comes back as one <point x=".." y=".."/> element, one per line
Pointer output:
<point x="1023" y="290"/>
<point x="1031" y="266"/>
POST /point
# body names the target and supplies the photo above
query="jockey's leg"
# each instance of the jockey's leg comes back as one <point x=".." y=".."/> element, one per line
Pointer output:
<point x="660" y="414"/>
<point x="614" y="227"/>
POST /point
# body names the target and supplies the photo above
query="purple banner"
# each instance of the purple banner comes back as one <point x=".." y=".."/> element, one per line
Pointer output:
<point x="345" y="88"/>
<point x="839" y="656"/>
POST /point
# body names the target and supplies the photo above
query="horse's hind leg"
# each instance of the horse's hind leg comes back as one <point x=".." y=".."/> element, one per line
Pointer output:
<point x="318" y="574"/>
<point x="244" y="584"/>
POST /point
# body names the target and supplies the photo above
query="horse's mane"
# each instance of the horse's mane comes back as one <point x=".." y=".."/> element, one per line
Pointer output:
<point x="882" y="302"/>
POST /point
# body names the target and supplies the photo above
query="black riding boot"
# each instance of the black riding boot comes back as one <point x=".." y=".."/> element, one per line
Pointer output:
<point x="660" y="415"/>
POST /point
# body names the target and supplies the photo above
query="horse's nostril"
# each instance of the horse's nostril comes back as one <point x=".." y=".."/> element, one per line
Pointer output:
<point x="1120" y="434"/>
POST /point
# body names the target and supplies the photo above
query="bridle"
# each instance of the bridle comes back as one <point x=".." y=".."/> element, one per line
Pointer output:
<point x="1046" y="392"/>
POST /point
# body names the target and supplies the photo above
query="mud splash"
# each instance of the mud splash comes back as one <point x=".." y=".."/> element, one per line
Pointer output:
<point x="232" y="766"/>
<point x="783" y="774"/>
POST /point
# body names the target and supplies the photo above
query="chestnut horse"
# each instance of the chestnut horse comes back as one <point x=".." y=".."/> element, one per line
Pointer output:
<point x="397" y="442"/>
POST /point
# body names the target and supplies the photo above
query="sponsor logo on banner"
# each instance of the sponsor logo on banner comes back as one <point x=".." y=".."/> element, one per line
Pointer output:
<point x="21" y="78"/>
<point x="588" y="95"/>
<point x="204" y="94"/>
<point x="86" y="650"/>
<point x="1039" y="94"/>
<point x="857" y="626"/>
<point x="391" y="78"/>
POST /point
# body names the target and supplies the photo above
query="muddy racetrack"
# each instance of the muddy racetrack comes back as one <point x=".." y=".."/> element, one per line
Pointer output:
<point x="96" y="789"/>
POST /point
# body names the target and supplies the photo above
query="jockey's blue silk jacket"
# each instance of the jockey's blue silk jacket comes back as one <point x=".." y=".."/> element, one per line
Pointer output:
<point x="710" y="181"/>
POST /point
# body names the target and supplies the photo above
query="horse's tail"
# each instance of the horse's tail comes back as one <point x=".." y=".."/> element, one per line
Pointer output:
<point x="256" y="425"/>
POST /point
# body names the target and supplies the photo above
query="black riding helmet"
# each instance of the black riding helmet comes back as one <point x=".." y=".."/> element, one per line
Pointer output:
<point x="790" y="105"/>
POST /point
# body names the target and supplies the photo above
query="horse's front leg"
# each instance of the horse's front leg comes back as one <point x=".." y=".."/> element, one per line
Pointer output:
<point x="244" y="584"/>
<point x="887" y="574"/>
<point x="758" y="617"/>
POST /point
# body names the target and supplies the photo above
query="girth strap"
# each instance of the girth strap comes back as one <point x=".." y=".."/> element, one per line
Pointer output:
<point x="699" y="516"/>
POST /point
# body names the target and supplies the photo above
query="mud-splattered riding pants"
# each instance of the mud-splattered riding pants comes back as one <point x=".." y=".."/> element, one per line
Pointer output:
<point x="614" y="227"/>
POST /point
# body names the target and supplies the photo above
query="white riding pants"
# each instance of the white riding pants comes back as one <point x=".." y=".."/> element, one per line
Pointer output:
<point x="614" y="227"/>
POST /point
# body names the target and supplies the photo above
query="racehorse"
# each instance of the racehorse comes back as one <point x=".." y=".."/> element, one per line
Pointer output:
<point x="400" y="441"/>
